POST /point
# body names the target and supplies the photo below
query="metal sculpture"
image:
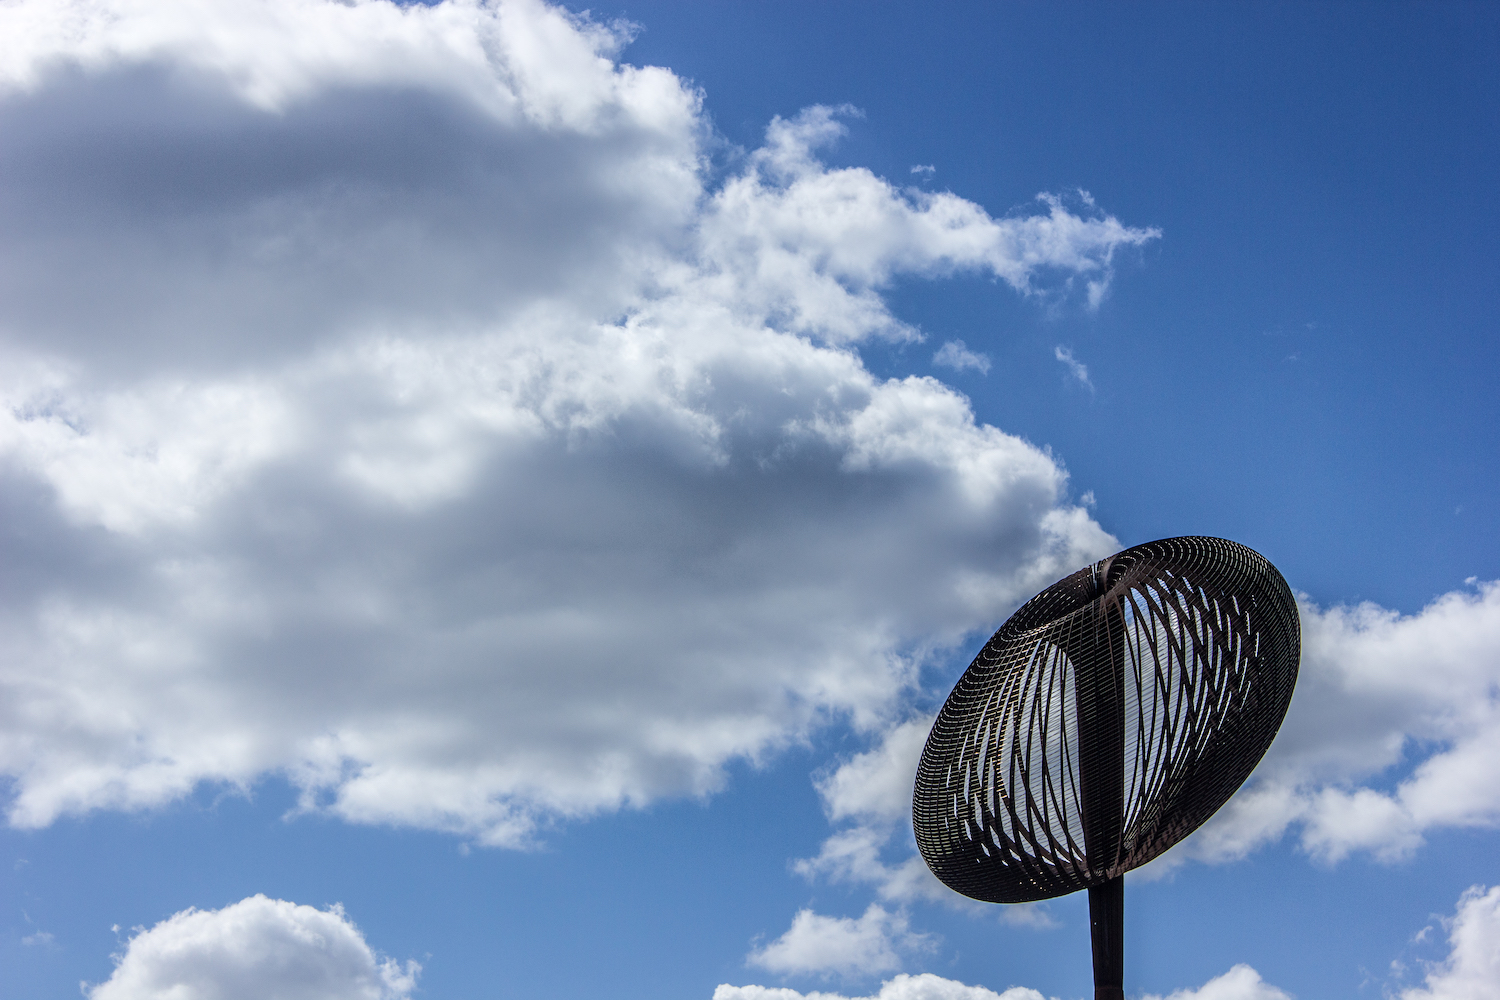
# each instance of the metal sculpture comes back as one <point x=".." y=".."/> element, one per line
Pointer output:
<point x="1107" y="719"/>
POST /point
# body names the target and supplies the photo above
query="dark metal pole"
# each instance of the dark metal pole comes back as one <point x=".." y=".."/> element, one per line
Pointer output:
<point x="1107" y="929"/>
<point x="1101" y="774"/>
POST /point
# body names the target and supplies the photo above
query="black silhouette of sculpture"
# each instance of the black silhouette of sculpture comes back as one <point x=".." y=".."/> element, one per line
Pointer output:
<point x="1111" y="716"/>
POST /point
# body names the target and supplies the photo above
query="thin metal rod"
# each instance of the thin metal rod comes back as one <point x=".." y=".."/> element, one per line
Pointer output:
<point x="1107" y="931"/>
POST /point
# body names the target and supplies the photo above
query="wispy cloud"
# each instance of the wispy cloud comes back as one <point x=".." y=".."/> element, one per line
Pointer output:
<point x="1076" y="368"/>
<point x="1472" y="967"/>
<point x="954" y="354"/>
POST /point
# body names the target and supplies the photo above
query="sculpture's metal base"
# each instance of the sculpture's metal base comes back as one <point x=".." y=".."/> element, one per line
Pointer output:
<point x="1107" y="930"/>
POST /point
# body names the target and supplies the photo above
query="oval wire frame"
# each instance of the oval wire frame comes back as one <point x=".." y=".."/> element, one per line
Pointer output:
<point x="1107" y="719"/>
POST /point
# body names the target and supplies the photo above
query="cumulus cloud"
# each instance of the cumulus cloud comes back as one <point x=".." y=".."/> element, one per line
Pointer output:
<point x="1239" y="983"/>
<point x="872" y="792"/>
<point x="868" y="945"/>
<point x="393" y="402"/>
<point x="254" y="949"/>
<point x="208" y="187"/>
<point x="954" y="354"/>
<point x="1394" y="731"/>
<point x="902" y="987"/>
<point x="1472" y="968"/>
<point x="877" y="784"/>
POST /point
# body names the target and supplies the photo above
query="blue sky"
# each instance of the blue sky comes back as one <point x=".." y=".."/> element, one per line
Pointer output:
<point x="494" y="495"/>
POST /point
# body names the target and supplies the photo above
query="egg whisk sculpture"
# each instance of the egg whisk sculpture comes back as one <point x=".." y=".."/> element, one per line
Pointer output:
<point x="1107" y="719"/>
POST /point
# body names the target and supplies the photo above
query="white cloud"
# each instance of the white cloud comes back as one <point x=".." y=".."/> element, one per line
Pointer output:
<point x="1394" y="731"/>
<point x="254" y="949"/>
<point x="1075" y="367"/>
<point x="866" y="946"/>
<point x="808" y="248"/>
<point x="389" y="404"/>
<point x="1036" y="916"/>
<point x="230" y="184"/>
<point x="873" y="790"/>
<point x="856" y="854"/>
<point x="955" y="355"/>
<point x="877" y="784"/>
<point x="903" y="987"/>
<point x="1472" y="968"/>
<point x="1239" y="983"/>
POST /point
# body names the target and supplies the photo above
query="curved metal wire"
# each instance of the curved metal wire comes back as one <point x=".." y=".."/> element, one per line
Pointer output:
<point x="1111" y="716"/>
